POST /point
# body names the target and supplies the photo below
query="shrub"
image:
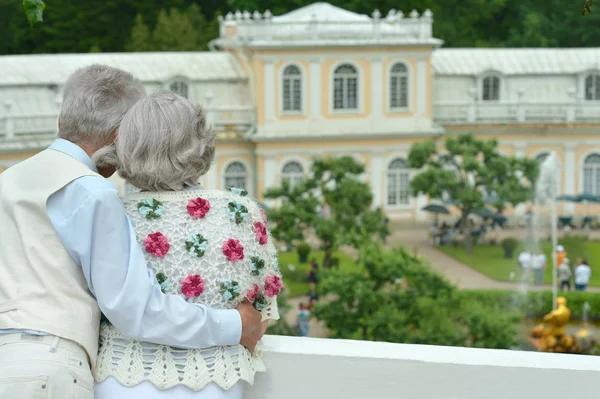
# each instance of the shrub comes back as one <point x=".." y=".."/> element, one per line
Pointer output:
<point x="509" y="245"/>
<point x="455" y="243"/>
<point x="335" y="262"/>
<point x="303" y="251"/>
<point x="492" y="242"/>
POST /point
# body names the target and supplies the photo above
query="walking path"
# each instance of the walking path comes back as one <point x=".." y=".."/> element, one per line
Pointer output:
<point x="457" y="272"/>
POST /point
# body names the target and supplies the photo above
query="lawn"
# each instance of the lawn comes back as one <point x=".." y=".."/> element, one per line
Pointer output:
<point x="295" y="273"/>
<point x="489" y="259"/>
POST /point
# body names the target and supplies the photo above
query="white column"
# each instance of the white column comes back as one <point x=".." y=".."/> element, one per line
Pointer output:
<point x="377" y="171"/>
<point x="421" y="87"/>
<point x="9" y="127"/>
<point x="314" y="103"/>
<point x="377" y="88"/>
<point x="270" y="91"/>
<point x="520" y="150"/>
<point x="270" y="178"/>
<point x="569" y="169"/>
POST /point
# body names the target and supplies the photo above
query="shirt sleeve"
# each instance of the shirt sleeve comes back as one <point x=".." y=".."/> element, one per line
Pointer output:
<point x="100" y="237"/>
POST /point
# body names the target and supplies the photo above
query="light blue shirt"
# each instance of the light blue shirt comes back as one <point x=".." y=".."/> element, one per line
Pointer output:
<point x="90" y="220"/>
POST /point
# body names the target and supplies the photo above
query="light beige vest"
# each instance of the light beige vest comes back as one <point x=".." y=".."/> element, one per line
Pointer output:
<point x="41" y="287"/>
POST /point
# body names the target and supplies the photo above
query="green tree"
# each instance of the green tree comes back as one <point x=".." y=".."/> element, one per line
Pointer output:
<point x="174" y="31"/>
<point x="395" y="297"/>
<point x="335" y="185"/>
<point x="140" y="36"/>
<point x="468" y="168"/>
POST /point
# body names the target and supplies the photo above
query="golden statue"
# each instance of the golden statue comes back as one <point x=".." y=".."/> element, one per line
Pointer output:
<point x="551" y="335"/>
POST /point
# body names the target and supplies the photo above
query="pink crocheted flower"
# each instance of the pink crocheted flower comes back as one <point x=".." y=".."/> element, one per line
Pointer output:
<point x="273" y="285"/>
<point x="198" y="208"/>
<point x="157" y="244"/>
<point x="261" y="233"/>
<point x="233" y="250"/>
<point x="253" y="293"/>
<point x="192" y="285"/>
<point x="263" y="215"/>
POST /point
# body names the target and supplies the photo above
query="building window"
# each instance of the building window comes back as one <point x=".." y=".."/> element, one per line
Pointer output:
<point x="292" y="89"/>
<point x="491" y="88"/>
<point x="236" y="175"/>
<point x="399" y="86"/>
<point x="591" y="175"/>
<point x="293" y="173"/>
<point x="345" y="87"/>
<point x="540" y="158"/>
<point x="398" y="180"/>
<point x="180" y="88"/>
<point x="592" y="87"/>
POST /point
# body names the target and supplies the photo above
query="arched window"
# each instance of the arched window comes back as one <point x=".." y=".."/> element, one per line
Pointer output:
<point x="399" y="86"/>
<point x="398" y="180"/>
<point x="236" y="175"/>
<point x="179" y="87"/>
<point x="592" y="87"/>
<point x="292" y="89"/>
<point x="345" y="87"/>
<point x="591" y="175"/>
<point x="540" y="158"/>
<point x="491" y="88"/>
<point x="293" y="173"/>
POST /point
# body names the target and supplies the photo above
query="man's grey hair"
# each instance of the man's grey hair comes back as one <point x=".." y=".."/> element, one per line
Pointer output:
<point x="95" y="100"/>
<point x="163" y="144"/>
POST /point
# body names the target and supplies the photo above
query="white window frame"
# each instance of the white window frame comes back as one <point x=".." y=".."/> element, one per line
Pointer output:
<point x="294" y="177"/>
<point x="180" y="80"/>
<point x="595" y="167"/>
<point x="481" y="82"/>
<point x="390" y="75"/>
<point x="302" y="78"/>
<point x="359" y="90"/>
<point x="595" y="75"/>
<point x="247" y="174"/>
<point x="409" y="201"/>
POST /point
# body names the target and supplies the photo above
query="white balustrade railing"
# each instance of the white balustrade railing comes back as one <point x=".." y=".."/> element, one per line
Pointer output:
<point x="300" y="368"/>
<point x="45" y="126"/>
<point x="248" y="27"/>
<point x="459" y="113"/>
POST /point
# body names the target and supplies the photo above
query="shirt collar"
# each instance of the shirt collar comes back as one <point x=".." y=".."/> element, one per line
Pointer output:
<point x="75" y="151"/>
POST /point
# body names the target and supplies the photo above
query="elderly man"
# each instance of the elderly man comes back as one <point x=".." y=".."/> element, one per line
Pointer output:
<point x="69" y="253"/>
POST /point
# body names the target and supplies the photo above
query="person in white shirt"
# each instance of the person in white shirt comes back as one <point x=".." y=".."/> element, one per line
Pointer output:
<point x="538" y="264"/>
<point x="525" y="259"/>
<point x="66" y="234"/>
<point x="583" y="272"/>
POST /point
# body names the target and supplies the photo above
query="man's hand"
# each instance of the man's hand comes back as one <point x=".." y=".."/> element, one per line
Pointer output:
<point x="252" y="328"/>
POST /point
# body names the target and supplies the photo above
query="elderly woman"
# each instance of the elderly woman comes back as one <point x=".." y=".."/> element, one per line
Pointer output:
<point x="211" y="247"/>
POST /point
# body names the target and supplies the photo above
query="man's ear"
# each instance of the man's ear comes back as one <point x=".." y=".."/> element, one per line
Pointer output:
<point x="113" y="137"/>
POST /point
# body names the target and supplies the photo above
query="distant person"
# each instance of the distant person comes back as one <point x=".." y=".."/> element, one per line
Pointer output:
<point x="313" y="277"/>
<point x="538" y="265"/>
<point x="386" y="220"/>
<point x="583" y="273"/>
<point x="303" y="320"/>
<point x="561" y="254"/>
<point x="524" y="259"/>
<point x="564" y="275"/>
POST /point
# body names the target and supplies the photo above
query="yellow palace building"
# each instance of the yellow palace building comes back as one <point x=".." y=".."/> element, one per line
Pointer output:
<point x="321" y="80"/>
